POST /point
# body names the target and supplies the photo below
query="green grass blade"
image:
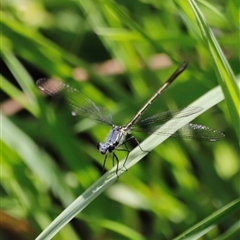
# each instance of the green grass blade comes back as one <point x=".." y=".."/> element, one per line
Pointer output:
<point x="207" y="101"/>
<point x="37" y="160"/>
<point x="49" y="157"/>
<point x="17" y="95"/>
<point x="207" y="224"/>
<point x="232" y="233"/>
<point x="223" y="70"/>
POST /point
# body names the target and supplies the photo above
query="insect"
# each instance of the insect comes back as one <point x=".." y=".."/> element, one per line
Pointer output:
<point x="120" y="135"/>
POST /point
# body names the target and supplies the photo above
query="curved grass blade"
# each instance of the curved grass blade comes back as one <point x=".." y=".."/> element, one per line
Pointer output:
<point x="210" y="222"/>
<point x="207" y="101"/>
<point x="223" y="70"/>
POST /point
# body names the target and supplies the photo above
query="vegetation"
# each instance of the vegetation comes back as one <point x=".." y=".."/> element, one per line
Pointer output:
<point x="118" y="53"/>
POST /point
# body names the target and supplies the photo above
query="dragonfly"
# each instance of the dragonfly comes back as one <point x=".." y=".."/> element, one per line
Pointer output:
<point x="120" y="135"/>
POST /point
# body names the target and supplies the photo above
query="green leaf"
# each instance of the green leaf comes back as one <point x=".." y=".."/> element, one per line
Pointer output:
<point x="207" y="101"/>
<point x="222" y="68"/>
<point x="210" y="222"/>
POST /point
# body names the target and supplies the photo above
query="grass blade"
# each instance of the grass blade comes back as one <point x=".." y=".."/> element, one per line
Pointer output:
<point x="223" y="70"/>
<point x="207" y="101"/>
<point x="207" y="224"/>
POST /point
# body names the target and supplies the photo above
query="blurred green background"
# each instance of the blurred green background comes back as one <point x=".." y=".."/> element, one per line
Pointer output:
<point x="118" y="53"/>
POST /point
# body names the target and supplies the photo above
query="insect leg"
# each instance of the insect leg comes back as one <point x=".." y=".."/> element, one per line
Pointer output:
<point x="135" y="139"/>
<point x="104" y="163"/>
<point x="115" y="156"/>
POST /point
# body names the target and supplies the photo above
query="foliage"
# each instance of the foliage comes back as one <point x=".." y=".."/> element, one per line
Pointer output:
<point x="119" y="52"/>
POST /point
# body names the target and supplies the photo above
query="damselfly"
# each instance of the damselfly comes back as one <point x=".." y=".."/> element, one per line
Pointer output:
<point x="119" y="135"/>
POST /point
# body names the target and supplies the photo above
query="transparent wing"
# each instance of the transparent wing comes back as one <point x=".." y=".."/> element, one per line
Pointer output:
<point x="163" y="117"/>
<point x="192" y="131"/>
<point x="80" y="104"/>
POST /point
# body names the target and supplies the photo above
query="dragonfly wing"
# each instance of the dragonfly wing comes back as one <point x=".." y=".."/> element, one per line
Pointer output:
<point x="80" y="104"/>
<point x="192" y="131"/>
<point x="163" y="117"/>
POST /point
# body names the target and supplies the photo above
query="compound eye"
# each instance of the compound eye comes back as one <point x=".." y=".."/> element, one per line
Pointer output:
<point x="111" y="148"/>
